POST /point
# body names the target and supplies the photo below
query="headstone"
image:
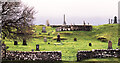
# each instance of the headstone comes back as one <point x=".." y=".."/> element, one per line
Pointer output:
<point x="3" y="44"/>
<point x="47" y="23"/>
<point x="3" y="37"/>
<point x="75" y="39"/>
<point x="37" y="47"/>
<point x="109" y="21"/>
<point x="48" y="33"/>
<point x="32" y="50"/>
<point x="44" y="29"/>
<point x="45" y="39"/>
<point x="15" y="43"/>
<point x="119" y="42"/>
<point x="39" y="33"/>
<point x="57" y="29"/>
<point x="90" y="44"/>
<point x="48" y="43"/>
<point x="115" y="20"/>
<point x="109" y="45"/>
<point x="24" y="42"/>
<point x="58" y="38"/>
<point x="84" y="22"/>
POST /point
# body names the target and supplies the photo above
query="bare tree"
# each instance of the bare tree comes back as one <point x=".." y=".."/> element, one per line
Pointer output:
<point x="17" y="20"/>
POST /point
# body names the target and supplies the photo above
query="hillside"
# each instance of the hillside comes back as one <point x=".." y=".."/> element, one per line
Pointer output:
<point x="69" y="47"/>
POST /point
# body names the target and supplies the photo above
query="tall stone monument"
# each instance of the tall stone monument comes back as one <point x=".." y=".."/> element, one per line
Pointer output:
<point x="47" y="23"/>
<point x="44" y="29"/>
<point x="84" y="22"/>
<point x="109" y="21"/>
<point x="115" y="20"/>
<point x="64" y="23"/>
<point x="109" y="44"/>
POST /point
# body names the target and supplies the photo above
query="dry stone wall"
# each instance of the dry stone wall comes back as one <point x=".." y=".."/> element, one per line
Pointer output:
<point x="101" y="53"/>
<point x="45" y="56"/>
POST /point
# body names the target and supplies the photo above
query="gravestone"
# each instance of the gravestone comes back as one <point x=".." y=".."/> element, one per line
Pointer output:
<point x="3" y="44"/>
<point x="109" y="45"/>
<point x="75" y="39"/>
<point x="3" y="37"/>
<point x="44" y="29"/>
<point x="90" y="44"/>
<point x="15" y="43"/>
<point x="39" y="33"/>
<point x="119" y="42"/>
<point x="48" y="33"/>
<point x="109" y="21"/>
<point x="57" y="29"/>
<point x="84" y="22"/>
<point x="115" y="19"/>
<point x="32" y="50"/>
<point x="45" y="39"/>
<point x="24" y="42"/>
<point x="58" y="37"/>
<point x="48" y="43"/>
<point x="37" y="47"/>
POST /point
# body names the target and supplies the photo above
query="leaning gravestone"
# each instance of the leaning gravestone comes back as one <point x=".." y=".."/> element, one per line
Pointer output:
<point x="15" y="43"/>
<point x="45" y="39"/>
<point x="37" y="47"/>
<point x="58" y="37"/>
<point x="119" y="42"/>
<point x="44" y="29"/>
<point x="109" y="45"/>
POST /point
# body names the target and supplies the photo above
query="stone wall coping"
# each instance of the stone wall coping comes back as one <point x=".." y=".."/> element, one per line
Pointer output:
<point x="36" y="51"/>
<point x="99" y="50"/>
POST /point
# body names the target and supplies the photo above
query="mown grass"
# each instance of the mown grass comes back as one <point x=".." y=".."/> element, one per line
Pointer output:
<point x="69" y="47"/>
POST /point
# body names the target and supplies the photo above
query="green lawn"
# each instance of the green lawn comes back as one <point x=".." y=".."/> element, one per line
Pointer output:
<point x="69" y="47"/>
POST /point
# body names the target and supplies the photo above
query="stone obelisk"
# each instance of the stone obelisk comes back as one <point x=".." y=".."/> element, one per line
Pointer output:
<point x="64" y="23"/>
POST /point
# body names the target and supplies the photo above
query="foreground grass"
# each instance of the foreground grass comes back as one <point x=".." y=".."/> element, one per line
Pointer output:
<point x="69" y="47"/>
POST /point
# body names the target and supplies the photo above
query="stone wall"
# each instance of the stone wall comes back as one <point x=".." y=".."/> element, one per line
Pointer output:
<point x="81" y="55"/>
<point x="38" y="55"/>
<point x="75" y="28"/>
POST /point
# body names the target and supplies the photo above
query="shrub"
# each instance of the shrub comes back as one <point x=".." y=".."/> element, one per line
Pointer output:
<point x="102" y="38"/>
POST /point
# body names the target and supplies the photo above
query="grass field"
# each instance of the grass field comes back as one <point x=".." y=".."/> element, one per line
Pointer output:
<point x="70" y="47"/>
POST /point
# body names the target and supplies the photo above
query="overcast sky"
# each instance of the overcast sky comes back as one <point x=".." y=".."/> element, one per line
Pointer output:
<point x="92" y="11"/>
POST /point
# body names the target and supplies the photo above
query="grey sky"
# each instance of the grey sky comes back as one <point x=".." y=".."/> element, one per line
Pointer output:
<point x="93" y="11"/>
